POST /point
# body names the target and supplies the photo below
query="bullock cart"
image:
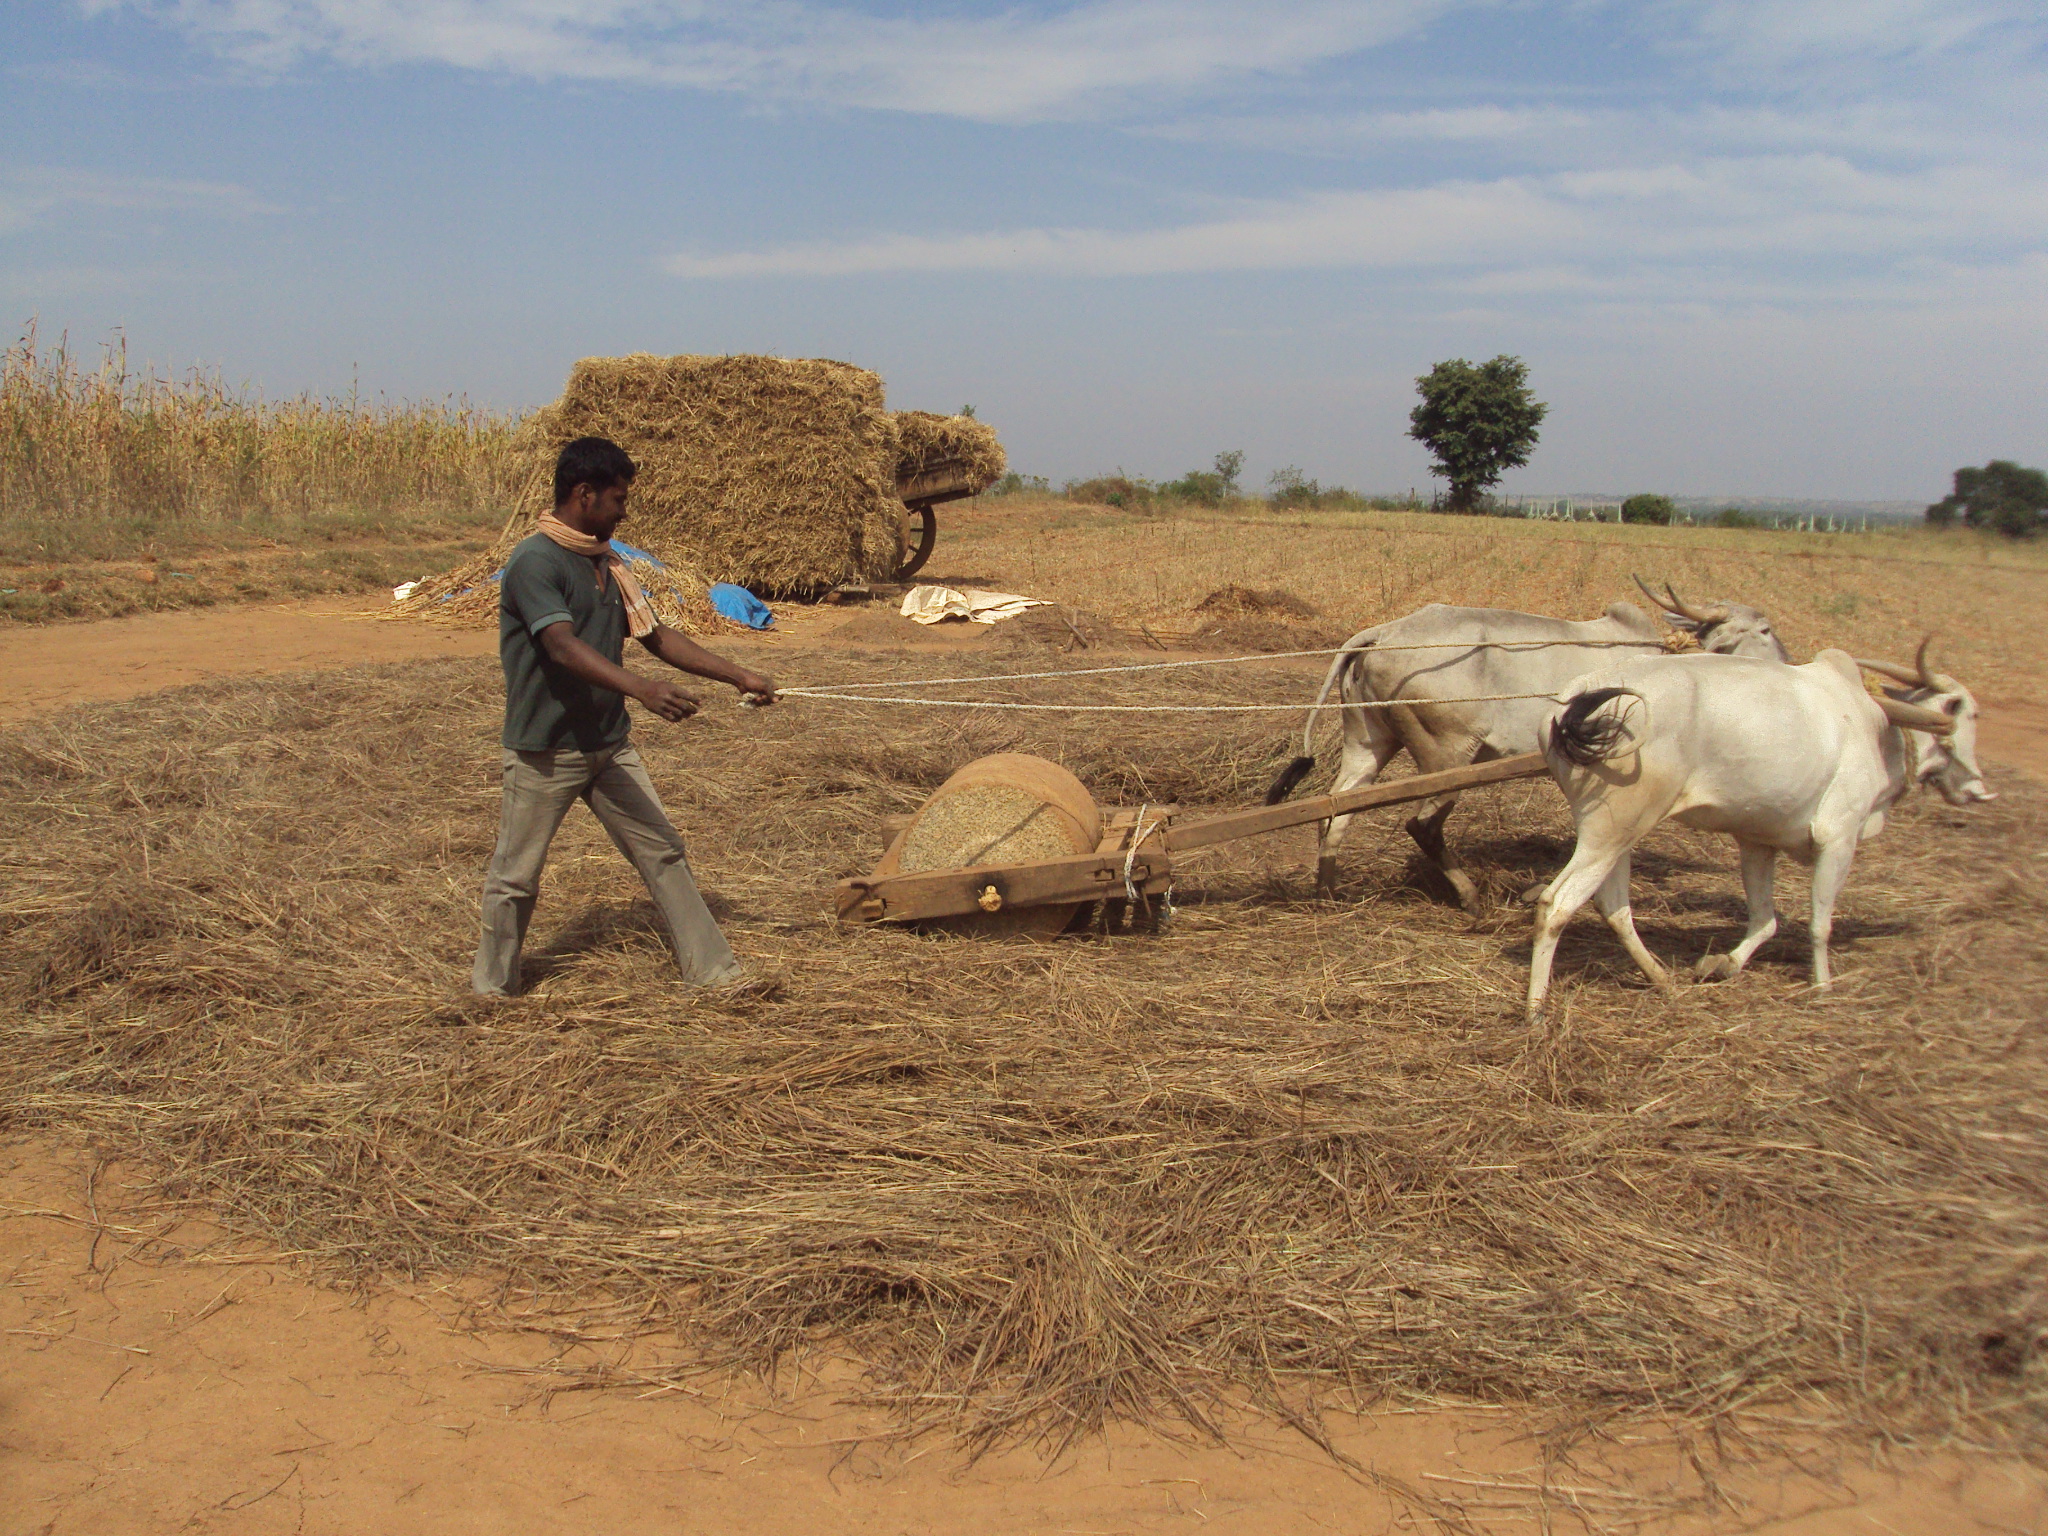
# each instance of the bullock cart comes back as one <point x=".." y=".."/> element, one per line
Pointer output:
<point x="1013" y="843"/>
<point x="921" y="489"/>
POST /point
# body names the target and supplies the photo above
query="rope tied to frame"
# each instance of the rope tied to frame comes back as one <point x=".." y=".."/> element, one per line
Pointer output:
<point x="1131" y="892"/>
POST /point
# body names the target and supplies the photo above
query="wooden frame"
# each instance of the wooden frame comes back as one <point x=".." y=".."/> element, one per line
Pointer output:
<point x="1149" y="866"/>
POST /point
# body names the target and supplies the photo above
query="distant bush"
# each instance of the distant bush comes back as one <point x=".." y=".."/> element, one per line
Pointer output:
<point x="1289" y="487"/>
<point x="1197" y="485"/>
<point x="1014" y="484"/>
<point x="1735" y="517"/>
<point x="1648" y="509"/>
<point x="1208" y="486"/>
<point x="1117" y="490"/>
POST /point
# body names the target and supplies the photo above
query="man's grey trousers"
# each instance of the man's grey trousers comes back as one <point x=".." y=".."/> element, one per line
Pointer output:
<point x="539" y="789"/>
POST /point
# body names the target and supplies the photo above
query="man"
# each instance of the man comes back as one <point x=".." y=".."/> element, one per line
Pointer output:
<point x="566" y="604"/>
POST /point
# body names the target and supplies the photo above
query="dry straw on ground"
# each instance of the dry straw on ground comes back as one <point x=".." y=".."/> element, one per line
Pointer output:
<point x="1287" y="1149"/>
<point x="468" y="595"/>
<point x="925" y="439"/>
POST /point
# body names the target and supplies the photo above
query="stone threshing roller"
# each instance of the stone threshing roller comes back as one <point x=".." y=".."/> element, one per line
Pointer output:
<point x="1013" y="844"/>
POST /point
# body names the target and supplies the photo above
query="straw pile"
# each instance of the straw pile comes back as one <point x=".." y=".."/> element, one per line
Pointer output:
<point x="1289" y="1150"/>
<point x="925" y="440"/>
<point x="773" y="473"/>
<point x="468" y="594"/>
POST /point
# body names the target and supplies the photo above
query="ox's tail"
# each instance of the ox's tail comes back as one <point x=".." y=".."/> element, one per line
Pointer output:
<point x="1300" y="767"/>
<point x="1581" y="736"/>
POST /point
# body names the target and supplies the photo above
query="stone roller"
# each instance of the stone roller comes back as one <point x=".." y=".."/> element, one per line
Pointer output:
<point x="1008" y="808"/>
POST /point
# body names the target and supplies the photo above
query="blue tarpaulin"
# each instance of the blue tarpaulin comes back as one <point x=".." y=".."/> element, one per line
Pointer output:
<point x="738" y="603"/>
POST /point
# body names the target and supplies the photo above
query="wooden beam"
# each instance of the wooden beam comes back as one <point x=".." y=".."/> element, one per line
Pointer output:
<point x="1293" y="813"/>
<point x="956" y="892"/>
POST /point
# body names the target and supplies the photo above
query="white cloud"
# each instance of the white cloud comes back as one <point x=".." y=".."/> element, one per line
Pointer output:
<point x="1833" y="32"/>
<point x="33" y="194"/>
<point x="1013" y="65"/>
<point x="1747" y="211"/>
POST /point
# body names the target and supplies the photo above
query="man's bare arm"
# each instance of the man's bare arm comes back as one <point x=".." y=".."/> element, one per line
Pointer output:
<point x="685" y="655"/>
<point x="580" y="660"/>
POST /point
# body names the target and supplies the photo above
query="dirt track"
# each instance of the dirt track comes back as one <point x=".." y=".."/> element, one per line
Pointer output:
<point x="226" y="1391"/>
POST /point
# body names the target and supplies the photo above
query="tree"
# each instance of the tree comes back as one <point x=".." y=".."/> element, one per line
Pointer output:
<point x="1477" y="422"/>
<point x="2001" y="496"/>
<point x="1207" y="486"/>
<point x="1648" y="509"/>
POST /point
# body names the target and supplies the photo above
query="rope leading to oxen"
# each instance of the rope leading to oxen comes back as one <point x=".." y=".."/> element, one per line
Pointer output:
<point x="843" y="692"/>
<point x="1145" y="709"/>
<point x="1230" y="661"/>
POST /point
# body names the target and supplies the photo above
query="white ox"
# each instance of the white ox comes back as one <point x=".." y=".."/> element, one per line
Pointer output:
<point x="1795" y="760"/>
<point x="1438" y="655"/>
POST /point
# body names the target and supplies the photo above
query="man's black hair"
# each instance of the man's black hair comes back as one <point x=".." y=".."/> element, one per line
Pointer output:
<point x="597" y="462"/>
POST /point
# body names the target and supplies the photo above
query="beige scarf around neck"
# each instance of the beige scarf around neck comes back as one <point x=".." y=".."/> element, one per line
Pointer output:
<point x="640" y="620"/>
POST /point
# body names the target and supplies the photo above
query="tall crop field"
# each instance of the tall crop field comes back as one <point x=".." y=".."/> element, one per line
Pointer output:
<point x="98" y="463"/>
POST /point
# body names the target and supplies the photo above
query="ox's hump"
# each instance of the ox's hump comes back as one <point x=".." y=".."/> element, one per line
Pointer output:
<point x="1631" y="618"/>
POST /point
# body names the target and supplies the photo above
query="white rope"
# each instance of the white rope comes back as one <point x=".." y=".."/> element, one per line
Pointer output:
<point x="1147" y="709"/>
<point x="1131" y="855"/>
<point x="1223" y="661"/>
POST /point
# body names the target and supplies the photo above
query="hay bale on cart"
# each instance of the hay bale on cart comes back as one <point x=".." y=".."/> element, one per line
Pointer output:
<point x="938" y="458"/>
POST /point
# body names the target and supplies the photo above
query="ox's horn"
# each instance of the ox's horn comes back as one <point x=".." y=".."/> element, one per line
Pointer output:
<point x="1916" y="676"/>
<point x="1915" y="718"/>
<point x="1701" y="616"/>
<point x="1655" y="600"/>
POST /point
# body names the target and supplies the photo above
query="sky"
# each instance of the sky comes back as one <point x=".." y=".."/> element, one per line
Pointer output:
<point x="1786" y="248"/>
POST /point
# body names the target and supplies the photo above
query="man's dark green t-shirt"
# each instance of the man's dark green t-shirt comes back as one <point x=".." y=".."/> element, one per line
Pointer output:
<point x="546" y="709"/>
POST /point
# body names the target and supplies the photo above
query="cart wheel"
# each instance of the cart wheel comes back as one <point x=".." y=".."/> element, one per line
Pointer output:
<point x="915" y="547"/>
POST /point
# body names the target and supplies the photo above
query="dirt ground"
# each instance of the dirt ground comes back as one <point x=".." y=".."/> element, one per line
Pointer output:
<point x="225" y="1391"/>
<point x="159" y="1377"/>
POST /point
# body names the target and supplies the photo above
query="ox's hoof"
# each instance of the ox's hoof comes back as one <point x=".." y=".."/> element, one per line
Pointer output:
<point x="1467" y="892"/>
<point x="1714" y="968"/>
<point x="1531" y="894"/>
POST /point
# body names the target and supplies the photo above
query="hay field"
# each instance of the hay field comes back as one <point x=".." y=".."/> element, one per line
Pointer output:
<point x="1874" y="594"/>
<point x="1287" y="1152"/>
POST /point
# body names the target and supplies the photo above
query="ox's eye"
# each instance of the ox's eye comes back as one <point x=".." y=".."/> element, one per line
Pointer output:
<point x="1953" y="706"/>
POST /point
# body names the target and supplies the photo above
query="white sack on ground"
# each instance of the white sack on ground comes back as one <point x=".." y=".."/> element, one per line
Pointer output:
<point x="929" y="604"/>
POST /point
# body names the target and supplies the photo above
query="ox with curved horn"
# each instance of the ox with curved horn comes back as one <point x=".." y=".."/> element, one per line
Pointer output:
<point x="1448" y="715"/>
<point x="1731" y="629"/>
<point x="1937" y="717"/>
<point x="1835" y="761"/>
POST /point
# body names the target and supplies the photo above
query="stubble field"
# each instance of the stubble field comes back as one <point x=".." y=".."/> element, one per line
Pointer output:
<point x="1287" y="1152"/>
